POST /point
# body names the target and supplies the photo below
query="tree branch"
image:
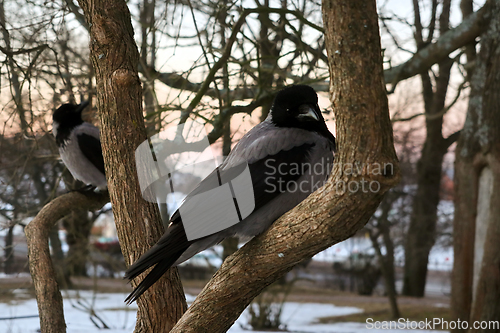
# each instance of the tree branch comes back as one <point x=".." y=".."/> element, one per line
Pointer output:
<point x="451" y="139"/>
<point x="177" y="81"/>
<point x="218" y="65"/>
<point x="234" y="109"/>
<point x="463" y="34"/>
<point x="436" y="115"/>
<point x="75" y="10"/>
<point x="48" y="295"/>
<point x="10" y="53"/>
<point x="418" y="24"/>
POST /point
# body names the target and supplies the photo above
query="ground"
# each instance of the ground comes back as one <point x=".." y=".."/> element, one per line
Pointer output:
<point x="308" y="308"/>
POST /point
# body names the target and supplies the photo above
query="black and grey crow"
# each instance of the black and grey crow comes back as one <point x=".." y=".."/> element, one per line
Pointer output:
<point x="289" y="156"/>
<point x="79" y="145"/>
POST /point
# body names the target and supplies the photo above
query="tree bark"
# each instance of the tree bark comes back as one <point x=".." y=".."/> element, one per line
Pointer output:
<point x="115" y="59"/>
<point x="476" y="200"/>
<point x="48" y="296"/>
<point x="330" y="215"/>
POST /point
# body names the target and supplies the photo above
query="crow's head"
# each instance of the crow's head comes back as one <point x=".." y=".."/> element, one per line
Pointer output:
<point x="297" y="106"/>
<point x="67" y="117"/>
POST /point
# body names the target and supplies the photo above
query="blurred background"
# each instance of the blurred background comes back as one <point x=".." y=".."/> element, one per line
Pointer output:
<point x="399" y="266"/>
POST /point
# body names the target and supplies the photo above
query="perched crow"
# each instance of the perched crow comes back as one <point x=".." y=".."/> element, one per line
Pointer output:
<point x="79" y="145"/>
<point x="289" y="156"/>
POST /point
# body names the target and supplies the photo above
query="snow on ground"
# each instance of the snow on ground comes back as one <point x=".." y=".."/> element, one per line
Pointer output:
<point x="17" y="275"/>
<point x="298" y="317"/>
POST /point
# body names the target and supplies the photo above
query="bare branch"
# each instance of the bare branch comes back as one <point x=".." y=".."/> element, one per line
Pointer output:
<point x="79" y="16"/>
<point x="418" y="24"/>
<point x="48" y="295"/>
<point x="451" y="139"/>
<point x="453" y="39"/>
<point x="227" y="113"/>
<point x="432" y="23"/>
<point x="10" y="53"/>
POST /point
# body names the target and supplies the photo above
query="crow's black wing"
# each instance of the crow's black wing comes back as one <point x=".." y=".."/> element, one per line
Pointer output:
<point x="91" y="149"/>
<point x="274" y="174"/>
<point x="271" y="176"/>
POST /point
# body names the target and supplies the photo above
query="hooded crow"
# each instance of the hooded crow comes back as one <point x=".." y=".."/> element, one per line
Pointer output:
<point x="289" y="156"/>
<point x="79" y="145"/>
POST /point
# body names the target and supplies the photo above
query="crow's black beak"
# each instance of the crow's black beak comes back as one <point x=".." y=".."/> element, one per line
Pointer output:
<point x="307" y="112"/>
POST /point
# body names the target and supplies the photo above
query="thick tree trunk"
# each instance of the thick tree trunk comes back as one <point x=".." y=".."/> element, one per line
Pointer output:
<point x="115" y="59"/>
<point x="464" y="228"/>
<point x="421" y="234"/>
<point x="476" y="269"/>
<point x="486" y="293"/>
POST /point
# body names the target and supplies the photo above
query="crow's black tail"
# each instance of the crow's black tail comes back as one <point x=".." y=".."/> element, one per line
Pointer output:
<point x="161" y="267"/>
<point x="164" y="254"/>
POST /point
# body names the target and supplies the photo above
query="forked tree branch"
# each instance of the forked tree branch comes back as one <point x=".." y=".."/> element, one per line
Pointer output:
<point x="337" y="210"/>
<point x="48" y="295"/>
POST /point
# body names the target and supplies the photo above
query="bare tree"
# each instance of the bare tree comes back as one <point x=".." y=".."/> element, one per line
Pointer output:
<point x="421" y="234"/>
